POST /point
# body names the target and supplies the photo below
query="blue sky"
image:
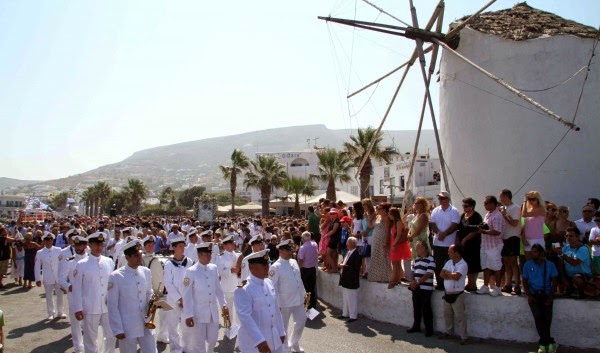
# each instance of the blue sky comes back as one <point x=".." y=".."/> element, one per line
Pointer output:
<point x="88" y="83"/>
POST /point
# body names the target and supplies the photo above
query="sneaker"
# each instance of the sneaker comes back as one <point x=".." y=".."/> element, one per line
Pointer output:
<point x="495" y="292"/>
<point x="50" y="317"/>
<point x="541" y="349"/>
<point x="483" y="290"/>
<point x="61" y="316"/>
<point x="517" y="291"/>
<point x="552" y="347"/>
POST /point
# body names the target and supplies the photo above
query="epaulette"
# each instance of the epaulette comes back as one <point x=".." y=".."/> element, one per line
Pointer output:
<point x="70" y="258"/>
<point x="221" y="254"/>
<point x="242" y="284"/>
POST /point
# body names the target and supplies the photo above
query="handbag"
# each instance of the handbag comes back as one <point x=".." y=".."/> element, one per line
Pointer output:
<point x="364" y="250"/>
<point x="451" y="298"/>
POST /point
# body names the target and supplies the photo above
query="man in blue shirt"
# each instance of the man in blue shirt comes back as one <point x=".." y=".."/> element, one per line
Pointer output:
<point x="540" y="281"/>
<point x="577" y="261"/>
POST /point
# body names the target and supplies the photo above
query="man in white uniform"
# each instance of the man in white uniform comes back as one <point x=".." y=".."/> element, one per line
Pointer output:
<point x="155" y="265"/>
<point x="261" y="325"/>
<point x="287" y="281"/>
<point x="47" y="259"/>
<point x="207" y="237"/>
<point x="190" y="249"/>
<point x="90" y="285"/>
<point x="226" y="265"/>
<point x="129" y="291"/>
<point x="202" y="297"/>
<point x="257" y="244"/>
<point x="66" y="268"/>
<point x="175" y="269"/>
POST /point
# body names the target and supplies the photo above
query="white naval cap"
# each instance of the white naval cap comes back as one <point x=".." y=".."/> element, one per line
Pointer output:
<point x="127" y="230"/>
<point x="286" y="244"/>
<point x="227" y="239"/>
<point x="206" y="233"/>
<point x="204" y="247"/>
<point x="256" y="239"/>
<point x="47" y="235"/>
<point x="176" y="240"/>
<point x="71" y="231"/>
<point x="130" y="238"/>
<point x="148" y="238"/>
<point x="192" y="232"/>
<point x="77" y="239"/>
<point x="132" y="247"/>
<point x="97" y="237"/>
<point x="258" y="257"/>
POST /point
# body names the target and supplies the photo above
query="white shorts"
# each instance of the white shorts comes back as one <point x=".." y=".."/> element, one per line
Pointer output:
<point x="542" y="242"/>
<point x="491" y="259"/>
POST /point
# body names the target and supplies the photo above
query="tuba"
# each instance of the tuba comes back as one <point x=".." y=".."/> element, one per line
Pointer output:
<point x="151" y="311"/>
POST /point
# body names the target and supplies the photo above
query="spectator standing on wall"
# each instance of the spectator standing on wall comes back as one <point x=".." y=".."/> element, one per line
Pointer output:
<point x="444" y="224"/>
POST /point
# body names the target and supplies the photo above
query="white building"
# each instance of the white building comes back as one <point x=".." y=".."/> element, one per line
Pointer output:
<point x="492" y="139"/>
<point x="10" y="204"/>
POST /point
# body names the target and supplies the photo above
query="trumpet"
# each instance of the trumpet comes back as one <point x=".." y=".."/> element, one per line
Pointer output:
<point x="151" y="311"/>
<point x="226" y="319"/>
<point x="306" y="301"/>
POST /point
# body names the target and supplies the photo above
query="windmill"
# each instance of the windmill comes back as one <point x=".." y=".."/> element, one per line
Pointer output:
<point x="436" y="39"/>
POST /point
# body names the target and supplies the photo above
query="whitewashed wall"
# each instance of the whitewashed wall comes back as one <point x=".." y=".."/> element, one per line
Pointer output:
<point x="575" y="322"/>
<point x="490" y="143"/>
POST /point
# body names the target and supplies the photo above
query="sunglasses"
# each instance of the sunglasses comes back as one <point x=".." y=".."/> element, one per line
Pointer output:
<point x="465" y="206"/>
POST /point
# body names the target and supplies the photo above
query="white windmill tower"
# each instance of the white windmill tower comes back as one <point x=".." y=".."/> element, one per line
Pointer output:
<point x="452" y="104"/>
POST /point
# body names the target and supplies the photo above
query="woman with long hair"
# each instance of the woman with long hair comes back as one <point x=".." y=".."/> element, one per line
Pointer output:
<point x="418" y="227"/>
<point x="31" y="248"/>
<point x="368" y="224"/>
<point x="399" y="250"/>
<point x="534" y="212"/>
<point x="379" y="269"/>
<point x="325" y="220"/>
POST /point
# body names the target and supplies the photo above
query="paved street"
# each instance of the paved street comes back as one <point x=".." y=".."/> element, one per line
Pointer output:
<point x="27" y="330"/>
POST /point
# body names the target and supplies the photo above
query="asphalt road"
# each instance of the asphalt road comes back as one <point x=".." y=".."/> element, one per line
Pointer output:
<point x="27" y="330"/>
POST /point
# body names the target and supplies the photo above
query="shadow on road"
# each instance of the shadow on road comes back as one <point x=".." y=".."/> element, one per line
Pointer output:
<point x="62" y="345"/>
<point x="37" y="327"/>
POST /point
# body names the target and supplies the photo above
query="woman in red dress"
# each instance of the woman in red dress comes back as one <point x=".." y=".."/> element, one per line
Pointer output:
<point x="399" y="249"/>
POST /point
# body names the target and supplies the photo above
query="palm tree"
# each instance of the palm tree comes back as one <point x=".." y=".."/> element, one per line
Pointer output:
<point x="166" y="195"/>
<point x="299" y="187"/>
<point x="102" y="192"/>
<point x="356" y="150"/>
<point x="333" y="166"/>
<point x="90" y="197"/>
<point x="136" y="192"/>
<point x="239" y="163"/>
<point x="266" y="174"/>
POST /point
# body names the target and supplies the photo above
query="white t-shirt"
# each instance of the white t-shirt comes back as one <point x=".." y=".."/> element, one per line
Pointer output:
<point x="514" y="212"/>
<point x="357" y="226"/>
<point x="595" y="234"/>
<point x="584" y="227"/>
<point x="443" y="220"/>
<point x="456" y="286"/>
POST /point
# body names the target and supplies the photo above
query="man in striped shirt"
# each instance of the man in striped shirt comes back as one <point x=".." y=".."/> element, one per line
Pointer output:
<point x="422" y="287"/>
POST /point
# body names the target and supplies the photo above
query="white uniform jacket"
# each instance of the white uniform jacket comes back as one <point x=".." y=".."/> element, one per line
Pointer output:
<point x="174" y="280"/>
<point x="66" y="267"/>
<point x="90" y="283"/>
<point x="259" y="315"/>
<point x="47" y="259"/>
<point x="285" y="275"/>
<point x="155" y="264"/>
<point x="202" y="293"/>
<point x="129" y="291"/>
<point x="225" y="262"/>
<point x="191" y="252"/>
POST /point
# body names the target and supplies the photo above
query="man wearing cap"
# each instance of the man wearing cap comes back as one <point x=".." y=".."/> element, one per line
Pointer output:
<point x="202" y="298"/>
<point x="48" y="258"/>
<point x="256" y="244"/>
<point x="190" y="249"/>
<point x="90" y="284"/>
<point x="444" y="224"/>
<point x="261" y="325"/>
<point x="175" y="269"/>
<point x="287" y="281"/>
<point x="207" y="237"/>
<point x="129" y="292"/>
<point x="153" y="262"/>
<point x="175" y="233"/>
<point x="226" y="266"/>
<point x="66" y="268"/>
<point x="61" y="238"/>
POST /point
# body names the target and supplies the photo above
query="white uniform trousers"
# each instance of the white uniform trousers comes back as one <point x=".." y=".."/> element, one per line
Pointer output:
<point x="90" y="325"/>
<point x="231" y="306"/>
<point x="146" y="343"/>
<point x="205" y="337"/>
<point x="50" y="289"/>
<point x="179" y="333"/>
<point x="350" y="303"/>
<point x="298" y="316"/>
<point x="162" y="327"/>
<point x="76" y="335"/>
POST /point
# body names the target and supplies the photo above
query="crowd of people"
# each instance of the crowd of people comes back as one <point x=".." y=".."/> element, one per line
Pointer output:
<point x="110" y="269"/>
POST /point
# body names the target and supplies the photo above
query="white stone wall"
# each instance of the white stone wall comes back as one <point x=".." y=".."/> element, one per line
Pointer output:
<point x="490" y="143"/>
<point x="575" y="322"/>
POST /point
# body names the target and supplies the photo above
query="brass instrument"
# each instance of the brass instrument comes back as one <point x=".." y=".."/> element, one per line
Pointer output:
<point x="306" y="301"/>
<point x="151" y="311"/>
<point x="226" y="319"/>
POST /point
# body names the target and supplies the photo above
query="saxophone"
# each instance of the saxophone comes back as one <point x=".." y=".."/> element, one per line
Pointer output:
<point x="306" y="301"/>
<point x="151" y="311"/>
<point x="226" y="319"/>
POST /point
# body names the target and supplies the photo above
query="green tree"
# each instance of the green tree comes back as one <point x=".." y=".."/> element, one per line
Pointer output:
<point x="224" y="198"/>
<point x="172" y="203"/>
<point x="119" y="199"/>
<point x="102" y="191"/>
<point x="356" y="149"/>
<point x="265" y="174"/>
<point x="299" y="187"/>
<point x="166" y="195"/>
<point x="239" y="163"/>
<point x="59" y="201"/>
<point x="186" y="197"/>
<point x="333" y="166"/>
<point x="136" y="192"/>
